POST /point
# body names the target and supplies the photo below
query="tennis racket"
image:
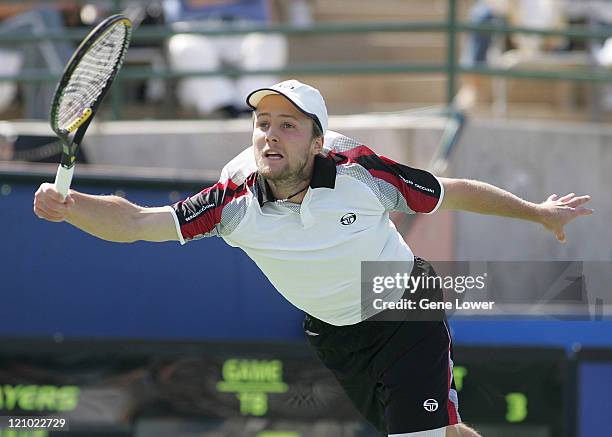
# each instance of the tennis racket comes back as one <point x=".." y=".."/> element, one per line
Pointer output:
<point x="86" y="79"/>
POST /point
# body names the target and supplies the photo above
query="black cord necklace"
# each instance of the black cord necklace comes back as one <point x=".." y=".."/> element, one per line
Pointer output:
<point x="293" y="195"/>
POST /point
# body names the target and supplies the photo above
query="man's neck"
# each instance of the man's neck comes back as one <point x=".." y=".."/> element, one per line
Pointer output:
<point x="290" y="192"/>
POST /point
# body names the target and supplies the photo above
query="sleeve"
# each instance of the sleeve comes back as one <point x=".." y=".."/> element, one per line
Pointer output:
<point x="214" y="211"/>
<point x="400" y="188"/>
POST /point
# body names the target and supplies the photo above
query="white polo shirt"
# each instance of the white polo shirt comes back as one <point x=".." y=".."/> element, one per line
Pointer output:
<point x="312" y="252"/>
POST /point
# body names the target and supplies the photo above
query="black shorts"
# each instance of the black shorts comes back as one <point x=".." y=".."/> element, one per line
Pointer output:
<point x="397" y="374"/>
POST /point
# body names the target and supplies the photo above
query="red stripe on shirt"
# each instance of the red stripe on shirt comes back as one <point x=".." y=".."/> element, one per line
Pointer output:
<point x="207" y="221"/>
<point x="451" y="407"/>
<point x="356" y="152"/>
<point x="415" y="199"/>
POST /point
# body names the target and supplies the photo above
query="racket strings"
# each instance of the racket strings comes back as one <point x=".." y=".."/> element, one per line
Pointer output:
<point x="91" y="75"/>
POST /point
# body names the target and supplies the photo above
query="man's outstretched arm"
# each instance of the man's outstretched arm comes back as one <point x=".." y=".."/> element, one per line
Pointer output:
<point x="110" y="218"/>
<point x="475" y="196"/>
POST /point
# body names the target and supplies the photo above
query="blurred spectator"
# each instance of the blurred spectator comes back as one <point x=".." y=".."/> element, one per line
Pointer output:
<point x="297" y="13"/>
<point x="188" y="52"/>
<point x="31" y="147"/>
<point x="10" y="64"/>
<point x="45" y="54"/>
<point x="7" y="141"/>
<point x="483" y="48"/>
<point x="477" y="45"/>
<point x="537" y="14"/>
<point x="597" y="14"/>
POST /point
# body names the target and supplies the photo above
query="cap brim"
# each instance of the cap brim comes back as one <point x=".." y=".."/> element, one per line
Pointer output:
<point x="255" y="97"/>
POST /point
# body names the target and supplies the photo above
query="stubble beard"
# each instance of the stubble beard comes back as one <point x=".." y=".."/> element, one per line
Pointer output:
<point x="288" y="179"/>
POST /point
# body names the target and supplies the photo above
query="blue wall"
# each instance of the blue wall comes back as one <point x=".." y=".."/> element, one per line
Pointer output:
<point x="56" y="279"/>
<point x="571" y="335"/>
<point x="595" y="399"/>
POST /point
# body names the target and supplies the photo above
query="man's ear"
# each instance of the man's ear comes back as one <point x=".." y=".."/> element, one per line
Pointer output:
<point x="318" y="145"/>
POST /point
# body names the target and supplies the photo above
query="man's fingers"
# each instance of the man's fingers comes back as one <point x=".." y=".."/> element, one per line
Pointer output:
<point x="584" y="211"/>
<point x="55" y="195"/>
<point x="552" y="197"/>
<point x="567" y="197"/>
<point x="560" y="236"/>
<point x="557" y="230"/>
<point x="69" y="201"/>
<point x="50" y="191"/>
<point x="577" y="201"/>
<point x="47" y="214"/>
<point x="54" y="206"/>
<point x="43" y="211"/>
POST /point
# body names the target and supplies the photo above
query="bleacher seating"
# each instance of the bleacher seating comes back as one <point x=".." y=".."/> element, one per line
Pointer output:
<point x="376" y="92"/>
<point x="498" y="96"/>
<point x="385" y="92"/>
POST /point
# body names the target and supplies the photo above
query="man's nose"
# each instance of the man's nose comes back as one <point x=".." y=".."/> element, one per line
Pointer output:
<point x="271" y="136"/>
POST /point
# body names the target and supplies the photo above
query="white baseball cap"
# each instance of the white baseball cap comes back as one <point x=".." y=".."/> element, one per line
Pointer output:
<point x="306" y="98"/>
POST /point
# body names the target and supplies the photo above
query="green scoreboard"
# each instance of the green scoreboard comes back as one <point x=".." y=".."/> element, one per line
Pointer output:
<point x="255" y="389"/>
<point x="515" y="391"/>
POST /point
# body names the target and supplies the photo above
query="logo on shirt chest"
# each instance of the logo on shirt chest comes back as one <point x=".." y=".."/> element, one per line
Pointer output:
<point x="348" y="219"/>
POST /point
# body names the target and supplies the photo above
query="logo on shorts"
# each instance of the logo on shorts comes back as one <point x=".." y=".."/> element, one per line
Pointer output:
<point x="430" y="405"/>
<point x="348" y="219"/>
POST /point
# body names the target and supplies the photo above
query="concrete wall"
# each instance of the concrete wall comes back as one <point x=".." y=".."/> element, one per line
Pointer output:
<point x="534" y="159"/>
<point x="209" y="145"/>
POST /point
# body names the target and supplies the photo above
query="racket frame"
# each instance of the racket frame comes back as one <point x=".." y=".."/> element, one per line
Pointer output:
<point x="72" y="136"/>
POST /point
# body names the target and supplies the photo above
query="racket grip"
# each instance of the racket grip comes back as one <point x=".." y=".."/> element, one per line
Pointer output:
<point x="63" y="178"/>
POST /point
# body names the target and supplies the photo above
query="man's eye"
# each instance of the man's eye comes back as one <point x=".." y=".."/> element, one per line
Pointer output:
<point x="287" y="125"/>
<point x="263" y="124"/>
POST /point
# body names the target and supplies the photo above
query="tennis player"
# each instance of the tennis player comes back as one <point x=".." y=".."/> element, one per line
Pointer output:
<point x="308" y="205"/>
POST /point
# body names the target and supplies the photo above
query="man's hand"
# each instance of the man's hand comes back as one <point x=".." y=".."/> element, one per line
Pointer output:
<point x="559" y="211"/>
<point x="49" y="205"/>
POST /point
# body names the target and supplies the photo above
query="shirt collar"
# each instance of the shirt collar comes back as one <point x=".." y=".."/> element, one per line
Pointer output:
<point x="323" y="176"/>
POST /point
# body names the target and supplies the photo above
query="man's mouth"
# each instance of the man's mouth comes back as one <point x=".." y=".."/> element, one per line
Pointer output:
<point x="273" y="155"/>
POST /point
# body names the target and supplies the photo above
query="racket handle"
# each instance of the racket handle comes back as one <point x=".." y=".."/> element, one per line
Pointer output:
<point x="63" y="178"/>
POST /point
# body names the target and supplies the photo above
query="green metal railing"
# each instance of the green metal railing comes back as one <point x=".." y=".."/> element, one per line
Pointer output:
<point x="451" y="68"/>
